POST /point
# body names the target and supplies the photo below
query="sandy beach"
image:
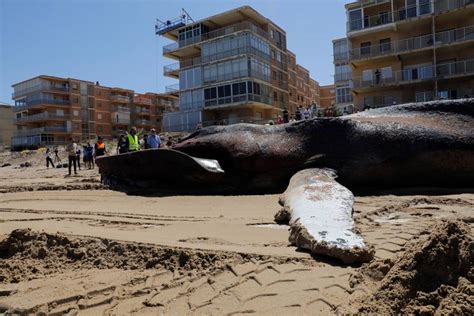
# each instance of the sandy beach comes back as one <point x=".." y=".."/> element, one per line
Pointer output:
<point x="71" y="246"/>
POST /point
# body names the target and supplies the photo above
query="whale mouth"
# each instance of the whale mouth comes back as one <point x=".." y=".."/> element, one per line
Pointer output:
<point x="210" y="165"/>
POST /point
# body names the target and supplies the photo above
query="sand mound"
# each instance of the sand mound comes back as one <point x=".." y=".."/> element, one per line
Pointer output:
<point x="433" y="276"/>
<point x="27" y="255"/>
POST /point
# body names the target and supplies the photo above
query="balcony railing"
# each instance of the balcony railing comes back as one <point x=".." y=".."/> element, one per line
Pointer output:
<point x="213" y="34"/>
<point x="238" y="99"/>
<point x="218" y="56"/>
<point x="142" y="100"/>
<point x="120" y="120"/>
<point x="119" y="98"/>
<point x="40" y="87"/>
<point x="165" y="102"/>
<point x="441" y="71"/>
<point x="28" y="104"/>
<point x="342" y="77"/>
<point x="120" y="109"/>
<point x="46" y="129"/>
<point x="414" y="43"/>
<point x="170" y="68"/>
<point x="142" y="111"/>
<point x="445" y="5"/>
<point x="142" y="122"/>
<point x="40" y="117"/>
<point x="172" y="88"/>
<point x="406" y="13"/>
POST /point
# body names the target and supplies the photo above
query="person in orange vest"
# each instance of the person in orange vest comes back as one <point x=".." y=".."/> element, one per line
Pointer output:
<point x="132" y="140"/>
<point x="99" y="147"/>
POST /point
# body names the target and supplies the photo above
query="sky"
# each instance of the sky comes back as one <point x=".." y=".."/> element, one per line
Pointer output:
<point x="114" y="41"/>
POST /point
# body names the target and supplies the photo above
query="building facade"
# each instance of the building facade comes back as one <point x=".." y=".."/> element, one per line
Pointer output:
<point x="6" y="124"/>
<point x="410" y="50"/>
<point x="50" y="110"/>
<point x="232" y="67"/>
<point x="328" y="98"/>
<point x="342" y="77"/>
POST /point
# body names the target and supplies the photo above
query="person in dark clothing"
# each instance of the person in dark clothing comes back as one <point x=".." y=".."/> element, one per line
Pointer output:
<point x="377" y="76"/>
<point x="99" y="147"/>
<point x="286" y="118"/>
<point x="71" y="149"/>
<point x="122" y="146"/>
<point x="48" y="158"/>
<point x="298" y="114"/>
<point x="145" y="141"/>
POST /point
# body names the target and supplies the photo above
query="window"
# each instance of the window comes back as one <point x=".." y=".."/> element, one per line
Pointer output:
<point x="365" y="48"/>
<point x="76" y="125"/>
<point x="275" y="96"/>
<point x="100" y="129"/>
<point x="76" y="113"/>
<point x="385" y="45"/>
<point x="367" y="75"/>
<point x="355" y="19"/>
<point x="74" y="86"/>
<point x="99" y="116"/>
<point x="273" y="55"/>
<point x="75" y="100"/>
<point x="99" y="104"/>
<point x="386" y="72"/>
<point x="274" y="75"/>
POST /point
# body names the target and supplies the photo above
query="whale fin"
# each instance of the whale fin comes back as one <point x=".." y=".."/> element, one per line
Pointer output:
<point x="319" y="211"/>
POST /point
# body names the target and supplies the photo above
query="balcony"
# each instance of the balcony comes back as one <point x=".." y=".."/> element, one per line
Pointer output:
<point x="29" y="104"/>
<point x="120" y="109"/>
<point x="171" y="70"/>
<point x="41" y="130"/>
<point x="40" y="117"/>
<point x="143" y="122"/>
<point x="414" y="75"/>
<point x="142" y="100"/>
<point x="213" y="34"/>
<point x="165" y="102"/>
<point x="143" y="111"/>
<point x="120" y="98"/>
<point x="415" y="43"/>
<point x="120" y="120"/>
<point x="41" y="87"/>
<point x="446" y="5"/>
<point x="172" y="88"/>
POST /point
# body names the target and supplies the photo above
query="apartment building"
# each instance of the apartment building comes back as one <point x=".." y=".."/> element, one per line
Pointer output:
<point x="342" y="76"/>
<point x="50" y="110"/>
<point x="410" y="50"/>
<point x="232" y="67"/>
<point x="6" y="124"/>
<point x="328" y="98"/>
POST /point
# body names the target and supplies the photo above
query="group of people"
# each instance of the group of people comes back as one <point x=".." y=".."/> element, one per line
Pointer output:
<point x="74" y="153"/>
<point x="126" y="143"/>
<point x="132" y="142"/>
<point x="300" y="114"/>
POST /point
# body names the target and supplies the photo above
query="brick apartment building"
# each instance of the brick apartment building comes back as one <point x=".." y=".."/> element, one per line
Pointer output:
<point x="6" y="124"/>
<point x="50" y="110"/>
<point x="232" y="67"/>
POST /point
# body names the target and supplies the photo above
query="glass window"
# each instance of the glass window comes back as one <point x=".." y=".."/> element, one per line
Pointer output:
<point x="385" y="45"/>
<point x="365" y="48"/>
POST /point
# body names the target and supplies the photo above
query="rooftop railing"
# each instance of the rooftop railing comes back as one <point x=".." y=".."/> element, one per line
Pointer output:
<point x="40" y="87"/>
<point x="213" y="34"/>
<point x="445" y="70"/>
<point x="413" y="43"/>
